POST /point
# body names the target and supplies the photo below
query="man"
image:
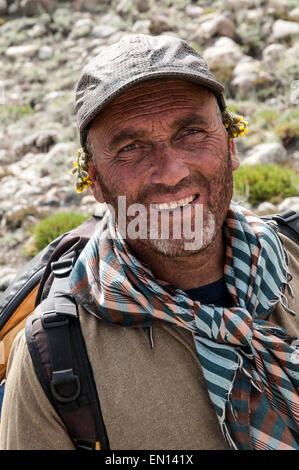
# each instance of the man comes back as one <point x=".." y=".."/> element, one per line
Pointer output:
<point x="216" y="373"/>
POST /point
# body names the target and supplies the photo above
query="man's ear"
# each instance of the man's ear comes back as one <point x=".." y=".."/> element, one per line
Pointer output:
<point x="95" y="187"/>
<point x="233" y="155"/>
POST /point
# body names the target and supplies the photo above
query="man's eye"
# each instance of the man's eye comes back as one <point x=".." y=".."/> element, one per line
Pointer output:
<point x="129" y="147"/>
<point x="192" y="131"/>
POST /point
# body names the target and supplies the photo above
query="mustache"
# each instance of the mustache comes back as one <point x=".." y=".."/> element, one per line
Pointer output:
<point x="195" y="181"/>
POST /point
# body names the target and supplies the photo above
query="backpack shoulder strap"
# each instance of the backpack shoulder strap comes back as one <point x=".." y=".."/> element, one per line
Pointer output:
<point x="60" y="359"/>
<point x="287" y="223"/>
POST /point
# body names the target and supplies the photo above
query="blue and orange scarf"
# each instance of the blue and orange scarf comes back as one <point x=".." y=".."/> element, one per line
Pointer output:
<point x="249" y="363"/>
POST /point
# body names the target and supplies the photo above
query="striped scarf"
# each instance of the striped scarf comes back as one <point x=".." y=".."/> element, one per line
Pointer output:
<point x="249" y="363"/>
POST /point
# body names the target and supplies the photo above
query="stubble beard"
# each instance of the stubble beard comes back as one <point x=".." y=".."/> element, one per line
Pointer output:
<point x="214" y="212"/>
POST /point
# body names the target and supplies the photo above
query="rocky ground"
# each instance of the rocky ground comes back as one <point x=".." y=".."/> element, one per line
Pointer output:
<point x="251" y="45"/>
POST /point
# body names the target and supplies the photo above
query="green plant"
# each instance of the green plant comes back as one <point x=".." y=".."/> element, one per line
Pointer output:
<point x="265" y="117"/>
<point x="52" y="227"/>
<point x="15" y="112"/>
<point x="259" y="183"/>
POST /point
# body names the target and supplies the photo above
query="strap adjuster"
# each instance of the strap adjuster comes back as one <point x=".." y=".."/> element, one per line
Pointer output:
<point x="65" y="377"/>
<point x="50" y="319"/>
<point x="62" y="267"/>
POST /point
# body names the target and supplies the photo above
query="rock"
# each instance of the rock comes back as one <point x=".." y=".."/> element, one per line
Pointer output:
<point x="282" y="29"/>
<point x="142" y="5"/>
<point x="294" y="14"/>
<point x="34" y="7"/>
<point x="255" y="15"/>
<point x="263" y="154"/>
<point x="291" y="203"/>
<point x="194" y="10"/>
<point x="141" y="27"/>
<point x="103" y="31"/>
<point x="93" y="6"/>
<point x="41" y="141"/>
<point x="112" y="19"/>
<point x="28" y="50"/>
<point x="247" y="75"/>
<point x="38" y="31"/>
<point x="124" y="7"/>
<point x="277" y="6"/>
<point x="45" y="53"/>
<point x="224" y="53"/>
<point x="159" y="23"/>
<point x="45" y="139"/>
<point x="30" y="7"/>
<point x="7" y="275"/>
<point x="13" y="8"/>
<point x="3" y="7"/>
<point x="214" y="24"/>
<point x="266" y="208"/>
<point x="241" y="4"/>
<point x="81" y="28"/>
<point x="273" y="53"/>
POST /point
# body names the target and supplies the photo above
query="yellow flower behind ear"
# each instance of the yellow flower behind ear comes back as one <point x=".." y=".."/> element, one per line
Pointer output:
<point x="81" y="169"/>
<point x="235" y="125"/>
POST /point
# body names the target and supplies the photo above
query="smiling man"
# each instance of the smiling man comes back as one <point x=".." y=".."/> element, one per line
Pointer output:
<point x="177" y="154"/>
<point x="191" y="348"/>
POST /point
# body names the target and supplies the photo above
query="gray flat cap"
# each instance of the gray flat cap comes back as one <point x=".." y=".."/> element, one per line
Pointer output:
<point x="134" y="59"/>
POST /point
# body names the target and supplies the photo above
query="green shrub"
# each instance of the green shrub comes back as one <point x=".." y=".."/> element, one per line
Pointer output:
<point x="265" y="117"/>
<point x="51" y="227"/>
<point x="259" y="183"/>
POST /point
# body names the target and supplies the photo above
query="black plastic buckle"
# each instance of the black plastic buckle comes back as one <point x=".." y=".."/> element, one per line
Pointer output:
<point x="63" y="267"/>
<point x="52" y="320"/>
<point x="286" y="217"/>
<point x="65" y="377"/>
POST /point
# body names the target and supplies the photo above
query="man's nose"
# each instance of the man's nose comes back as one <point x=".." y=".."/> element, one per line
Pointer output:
<point x="170" y="167"/>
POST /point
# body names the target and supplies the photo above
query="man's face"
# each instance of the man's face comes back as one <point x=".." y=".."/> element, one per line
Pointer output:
<point x="163" y="142"/>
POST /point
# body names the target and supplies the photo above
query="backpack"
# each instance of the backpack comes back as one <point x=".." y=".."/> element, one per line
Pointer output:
<point x="53" y="333"/>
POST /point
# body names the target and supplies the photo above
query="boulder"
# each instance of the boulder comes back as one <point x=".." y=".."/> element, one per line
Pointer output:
<point x="104" y="31"/>
<point x="45" y="53"/>
<point x="273" y="53"/>
<point x="93" y="6"/>
<point x="247" y="75"/>
<point x="214" y="24"/>
<point x="37" y="31"/>
<point x="290" y="203"/>
<point x="224" y="53"/>
<point x="81" y="28"/>
<point x="262" y="154"/>
<point x="3" y="7"/>
<point x="35" y="7"/>
<point x="39" y="141"/>
<point x="27" y="50"/>
<point x="266" y="208"/>
<point x="141" y="27"/>
<point x="294" y="14"/>
<point x="194" y="11"/>
<point x="282" y="29"/>
<point x="277" y="6"/>
<point x="7" y="275"/>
